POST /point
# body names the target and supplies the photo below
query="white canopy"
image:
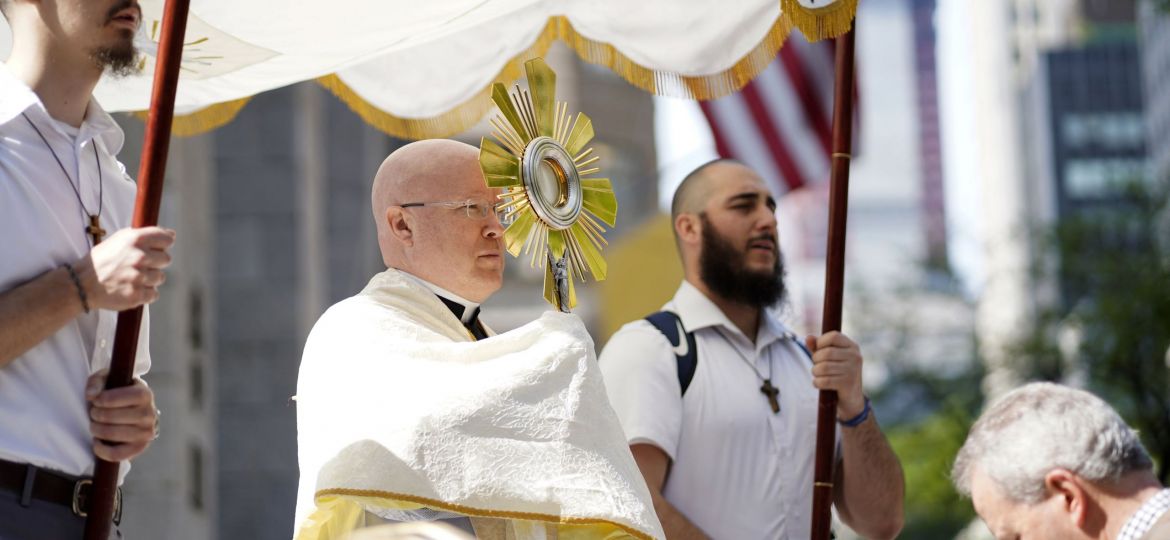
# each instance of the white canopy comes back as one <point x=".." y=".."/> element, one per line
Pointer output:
<point x="418" y="69"/>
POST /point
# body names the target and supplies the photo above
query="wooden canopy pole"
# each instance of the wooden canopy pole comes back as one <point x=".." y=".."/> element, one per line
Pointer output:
<point x="151" y="171"/>
<point x="834" y="279"/>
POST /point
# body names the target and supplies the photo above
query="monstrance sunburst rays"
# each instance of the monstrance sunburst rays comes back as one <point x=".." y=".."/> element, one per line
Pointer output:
<point x="539" y="158"/>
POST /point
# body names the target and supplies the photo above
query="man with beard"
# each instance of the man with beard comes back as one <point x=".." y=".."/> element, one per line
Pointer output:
<point x="718" y="399"/>
<point x="61" y="188"/>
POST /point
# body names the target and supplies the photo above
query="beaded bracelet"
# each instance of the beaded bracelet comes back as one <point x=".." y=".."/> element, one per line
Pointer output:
<point x="77" y="283"/>
<point x="857" y="420"/>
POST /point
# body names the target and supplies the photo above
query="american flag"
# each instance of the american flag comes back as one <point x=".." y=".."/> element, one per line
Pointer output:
<point x="780" y="124"/>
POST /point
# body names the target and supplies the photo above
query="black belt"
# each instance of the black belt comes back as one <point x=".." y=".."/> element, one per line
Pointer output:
<point x="32" y="482"/>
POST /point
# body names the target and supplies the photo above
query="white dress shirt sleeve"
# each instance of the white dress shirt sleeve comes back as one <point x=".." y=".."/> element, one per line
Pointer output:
<point x="641" y="379"/>
<point x="142" y="355"/>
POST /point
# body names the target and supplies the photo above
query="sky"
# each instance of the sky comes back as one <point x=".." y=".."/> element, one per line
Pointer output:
<point x="960" y="164"/>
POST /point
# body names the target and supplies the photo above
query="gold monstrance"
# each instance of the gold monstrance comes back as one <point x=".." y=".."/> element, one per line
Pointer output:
<point x="540" y="161"/>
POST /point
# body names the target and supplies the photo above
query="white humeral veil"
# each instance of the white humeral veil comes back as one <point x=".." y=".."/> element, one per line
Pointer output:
<point x="399" y="409"/>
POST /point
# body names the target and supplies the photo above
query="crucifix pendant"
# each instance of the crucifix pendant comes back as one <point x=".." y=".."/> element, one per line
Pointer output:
<point x="771" y="392"/>
<point x="95" y="229"/>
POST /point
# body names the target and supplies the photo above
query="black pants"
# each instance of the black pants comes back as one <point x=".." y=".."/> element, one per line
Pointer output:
<point x="41" y="520"/>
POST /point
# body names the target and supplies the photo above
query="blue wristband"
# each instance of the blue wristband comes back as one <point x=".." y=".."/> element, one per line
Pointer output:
<point x="857" y="420"/>
<point x="77" y="283"/>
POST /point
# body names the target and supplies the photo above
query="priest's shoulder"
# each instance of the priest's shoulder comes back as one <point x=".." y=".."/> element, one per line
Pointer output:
<point x="353" y="313"/>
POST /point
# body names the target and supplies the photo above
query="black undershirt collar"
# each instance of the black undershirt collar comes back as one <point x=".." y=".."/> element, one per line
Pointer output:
<point x="465" y="310"/>
<point x="460" y="310"/>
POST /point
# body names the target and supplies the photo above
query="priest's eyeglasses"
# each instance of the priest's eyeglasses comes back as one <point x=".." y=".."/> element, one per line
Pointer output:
<point x="471" y="208"/>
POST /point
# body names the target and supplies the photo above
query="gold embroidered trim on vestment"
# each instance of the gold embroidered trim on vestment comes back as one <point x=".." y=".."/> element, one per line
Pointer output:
<point x="435" y="504"/>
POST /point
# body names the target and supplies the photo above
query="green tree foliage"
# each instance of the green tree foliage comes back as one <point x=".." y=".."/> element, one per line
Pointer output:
<point x="929" y="393"/>
<point x="1111" y="329"/>
<point x="927" y="447"/>
<point x="1107" y="328"/>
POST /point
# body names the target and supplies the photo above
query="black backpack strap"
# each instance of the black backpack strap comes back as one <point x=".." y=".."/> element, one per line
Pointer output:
<point x="686" y="353"/>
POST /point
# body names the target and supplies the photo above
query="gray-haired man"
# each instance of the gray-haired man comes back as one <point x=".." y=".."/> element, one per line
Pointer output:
<point x="1048" y="461"/>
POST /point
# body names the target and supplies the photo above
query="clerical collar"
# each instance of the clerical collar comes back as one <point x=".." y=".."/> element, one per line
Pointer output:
<point x="465" y="310"/>
<point x="465" y="315"/>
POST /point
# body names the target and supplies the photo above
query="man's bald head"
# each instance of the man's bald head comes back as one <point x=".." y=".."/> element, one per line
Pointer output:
<point x="420" y="170"/>
<point x="695" y="190"/>
<point x="725" y="230"/>
<point x="446" y="244"/>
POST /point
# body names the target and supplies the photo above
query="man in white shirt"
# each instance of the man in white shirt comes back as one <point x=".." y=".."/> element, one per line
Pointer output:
<point x="60" y="189"/>
<point x="1049" y="461"/>
<point x="410" y="409"/>
<point x="718" y="399"/>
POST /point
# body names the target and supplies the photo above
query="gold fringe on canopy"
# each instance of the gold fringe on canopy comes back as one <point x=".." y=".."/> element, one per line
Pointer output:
<point x="820" y="23"/>
<point x="815" y="23"/>
<point x="472" y="111"/>
<point x="702" y="87"/>
<point x="203" y="120"/>
<point x="457" y="120"/>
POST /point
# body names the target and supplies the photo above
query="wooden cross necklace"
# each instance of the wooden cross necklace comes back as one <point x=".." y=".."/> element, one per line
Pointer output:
<point x="767" y="388"/>
<point x="94" y="229"/>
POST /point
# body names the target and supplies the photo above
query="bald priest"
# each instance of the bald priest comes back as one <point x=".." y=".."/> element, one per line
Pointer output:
<point x="410" y="409"/>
